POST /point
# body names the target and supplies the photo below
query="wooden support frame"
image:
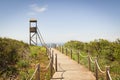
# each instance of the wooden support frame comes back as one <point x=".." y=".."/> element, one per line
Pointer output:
<point x="33" y="32"/>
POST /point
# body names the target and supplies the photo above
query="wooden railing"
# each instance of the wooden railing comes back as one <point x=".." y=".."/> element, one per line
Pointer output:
<point x="90" y="61"/>
<point x="51" y="64"/>
<point x="36" y="73"/>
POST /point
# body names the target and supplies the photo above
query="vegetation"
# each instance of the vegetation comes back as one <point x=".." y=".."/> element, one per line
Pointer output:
<point x="108" y="53"/>
<point x="38" y="55"/>
<point x="11" y="51"/>
<point x="18" y="60"/>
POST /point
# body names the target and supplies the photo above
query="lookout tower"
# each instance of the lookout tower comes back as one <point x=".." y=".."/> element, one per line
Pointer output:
<point x="33" y="31"/>
<point x="35" y="34"/>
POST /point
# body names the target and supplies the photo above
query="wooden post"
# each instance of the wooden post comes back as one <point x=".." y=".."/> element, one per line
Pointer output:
<point x="37" y="77"/>
<point x="55" y="46"/>
<point x="89" y="63"/>
<point x="62" y="50"/>
<point x="71" y="53"/>
<point x="52" y="58"/>
<point x="66" y="51"/>
<point x="107" y="69"/>
<point x="46" y="51"/>
<point x="96" y="69"/>
<point x="56" y="62"/>
<point x="78" y="58"/>
<point x="50" y="47"/>
<point x="52" y="51"/>
<point x="51" y="67"/>
<point x="50" y="54"/>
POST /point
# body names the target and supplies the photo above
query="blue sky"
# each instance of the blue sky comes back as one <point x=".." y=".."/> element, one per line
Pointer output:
<point x="61" y="20"/>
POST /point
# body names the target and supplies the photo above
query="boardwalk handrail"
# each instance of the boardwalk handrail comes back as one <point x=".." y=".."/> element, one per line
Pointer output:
<point x="92" y="60"/>
<point x="37" y="69"/>
<point x="34" y="73"/>
<point x="99" y="67"/>
<point x="108" y="72"/>
<point x="50" y="64"/>
<point x="108" y="76"/>
<point x="83" y="56"/>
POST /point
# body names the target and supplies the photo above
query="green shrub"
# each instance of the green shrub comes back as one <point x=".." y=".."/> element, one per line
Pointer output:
<point x="23" y="64"/>
<point x="11" y="51"/>
<point x="108" y="53"/>
<point x="23" y="76"/>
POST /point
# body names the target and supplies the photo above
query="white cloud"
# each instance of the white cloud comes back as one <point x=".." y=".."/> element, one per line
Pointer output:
<point x="37" y="9"/>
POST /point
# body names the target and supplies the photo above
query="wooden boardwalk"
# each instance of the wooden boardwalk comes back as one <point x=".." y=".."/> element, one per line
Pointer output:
<point x="69" y="69"/>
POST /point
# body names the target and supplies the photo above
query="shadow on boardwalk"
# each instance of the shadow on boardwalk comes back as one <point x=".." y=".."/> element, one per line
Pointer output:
<point x="69" y="69"/>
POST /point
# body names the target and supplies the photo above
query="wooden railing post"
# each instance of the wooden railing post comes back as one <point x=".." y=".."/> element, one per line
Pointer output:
<point x="37" y="77"/>
<point x="71" y="53"/>
<point x="50" y="54"/>
<point x="55" y="46"/>
<point x="66" y="51"/>
<point x="107" y="69"/>
<point x="56" y="62"/>
<point x="78" y="58"/>
<point x="51" y="67"/>
<point x="89" y="63"/>
<point x="96" y="69"/>
<point x="50" y="47"/>
<point x="52" y="51"/>
<point x="62" y="50"/>
<point x="46" y="51"/>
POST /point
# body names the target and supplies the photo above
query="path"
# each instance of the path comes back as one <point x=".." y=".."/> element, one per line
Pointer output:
<point x="69" y="69"/>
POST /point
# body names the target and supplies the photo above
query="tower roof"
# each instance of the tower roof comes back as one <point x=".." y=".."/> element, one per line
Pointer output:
<point x="33" y="20"/>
